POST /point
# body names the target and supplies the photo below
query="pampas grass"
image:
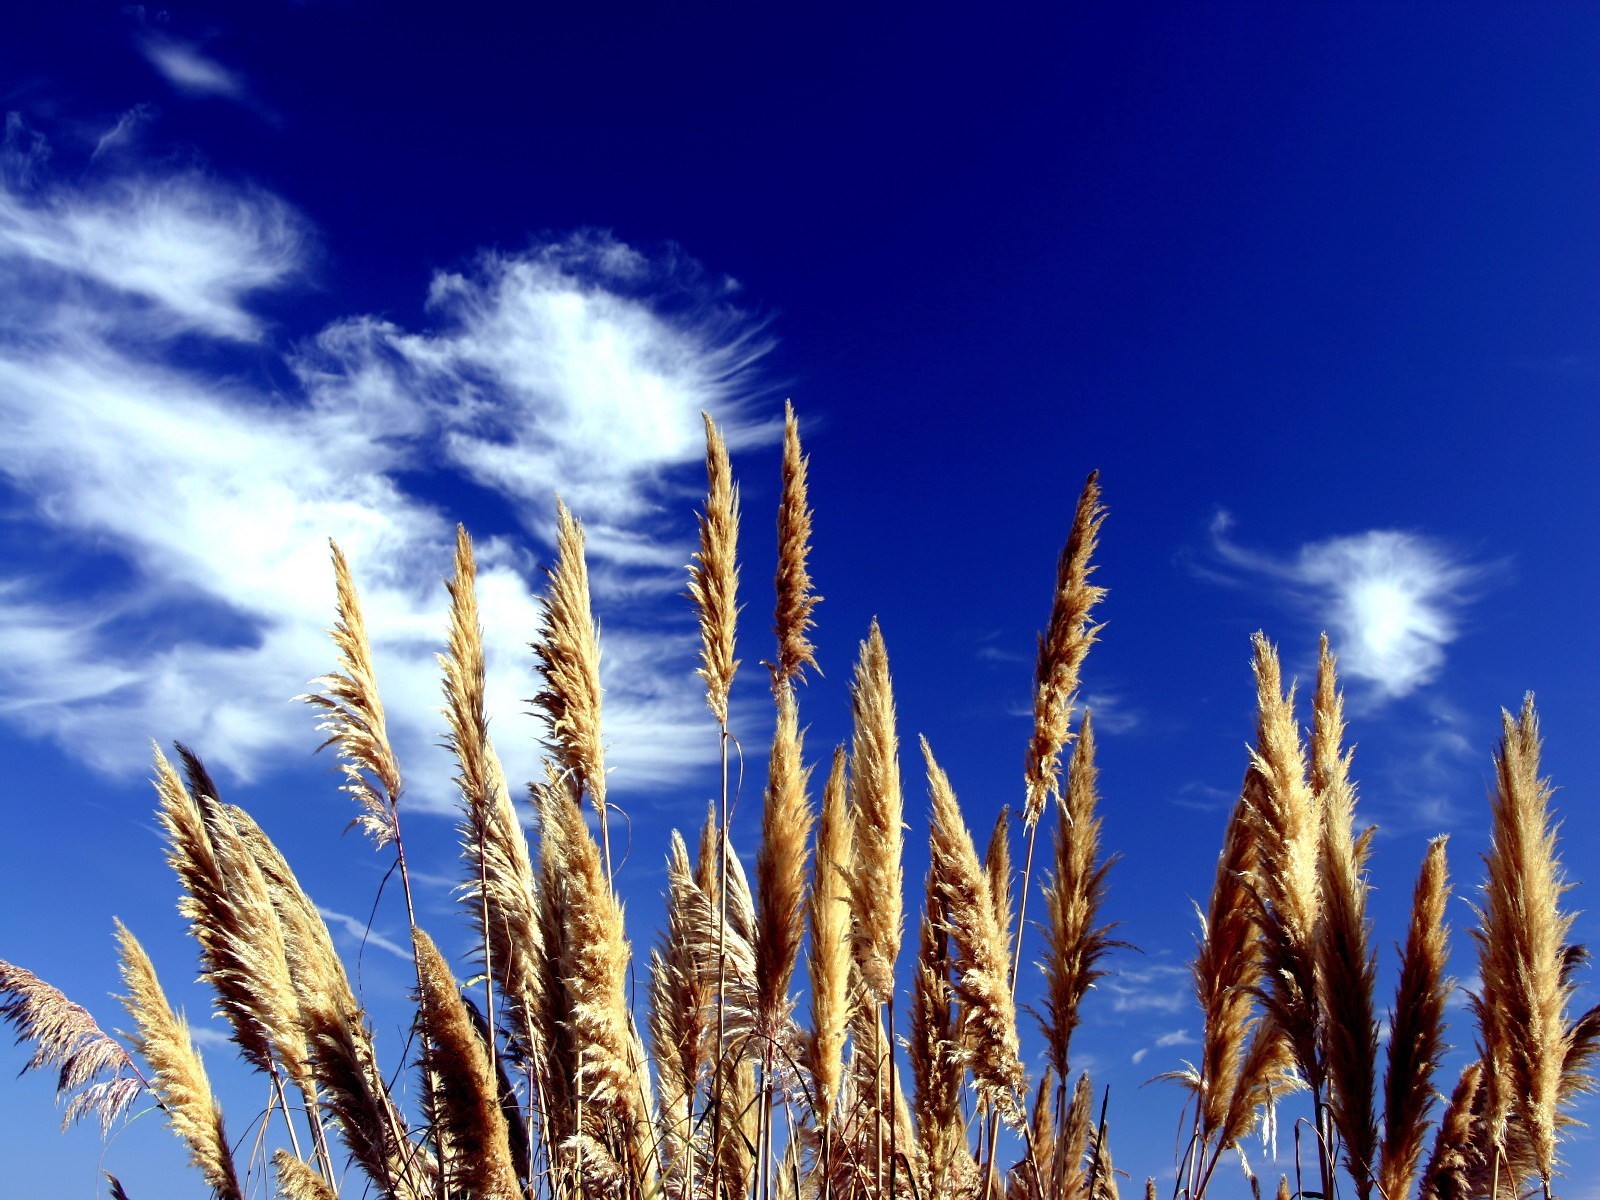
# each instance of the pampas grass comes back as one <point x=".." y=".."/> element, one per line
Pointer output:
<point x="537" y="1084"/>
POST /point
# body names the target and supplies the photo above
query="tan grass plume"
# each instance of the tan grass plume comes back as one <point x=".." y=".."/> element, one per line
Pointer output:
<point x="1076" y="941"/>
<point x="1416" y="1042"/>
<point x="1346" y="970"/>
<point x="714" y="574"/>
<point x="792" y="620"/>
<point x="830" y="941"/>
<point x="354" y="719"/>
<point x="1062" y="647"/>
<point x="66" y="1036"/>
<point x="982" y="966"/>
<point x="567" y="656"/>
<point x="466" y="1100"/>
<point x="177" y="1076"/>
<point x="1521" y="950"/>
<point x="877" y="882"/>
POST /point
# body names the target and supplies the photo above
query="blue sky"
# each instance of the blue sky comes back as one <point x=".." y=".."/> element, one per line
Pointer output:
<point x="1314" y="287"/>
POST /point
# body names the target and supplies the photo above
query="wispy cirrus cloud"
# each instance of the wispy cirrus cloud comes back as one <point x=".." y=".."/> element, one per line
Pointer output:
<point x="1391" y="600"/>
<point x="174" y="581"/>
<point x="189" y="70"/>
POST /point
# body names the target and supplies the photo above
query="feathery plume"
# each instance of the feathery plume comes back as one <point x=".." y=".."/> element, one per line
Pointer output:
<point x="1521" y="950"/>
<point x="66" y="1036"/>
<point x="1416" y="1027"/>
<point x="1062" y="647"/>
<point x="342" y="1058"/>
<point x="594" y="963"/>
<point x="781" y="868"/>
<point x="1458" y="1154"/>
<point x="936" y="1068"/>
<point x="354" y="720"/>
<point x="997" y="866"/>
<point x="982" y="966"/>
<point x="1227" y="966"/>
<point x="796" y="600"/>
<point x="1075" y="941"/>
<point x="1286" y="880"/>
<point x="296" y="1181"/>
<point x="681" y="994"/>
<point x="567" y="656"/>
<point x="177" y="1078"/>
<point x="466" y="1100"/>
<point x="714" y="574"/>
<point x="1346" y="971"/>
<point x="830" y="941"/>
<point x="877" y="881"/>
<point x="231" y="915"/>
<point x="499" y="884"/>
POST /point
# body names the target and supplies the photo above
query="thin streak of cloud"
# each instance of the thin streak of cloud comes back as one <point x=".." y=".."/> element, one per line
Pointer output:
<point x="189" y="71"/>
<point x="362" y="933"/>
<point x="1391" y="600"/>
<point x="124" y="130"/>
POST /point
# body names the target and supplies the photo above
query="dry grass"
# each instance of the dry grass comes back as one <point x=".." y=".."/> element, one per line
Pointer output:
<point x="536" y="1082"/>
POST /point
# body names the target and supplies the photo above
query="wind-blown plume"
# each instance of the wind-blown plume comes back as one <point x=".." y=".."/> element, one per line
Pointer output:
<point x="1062" y="647"/>
<point x="1286" y="879"/>
<point x="982" y="967"/>
<point x="296" y="1181"/>
<point x="177" y="1076"/>
<point x="714" y="575"/>
<point x="792" y="620"/>
<point x="1075" y="940"/>
<point x="65" y="1036"/>
<point x="354" y="720"/>
<point x="499" y="884"/>
<point x="781" y="868"/>
<point x="997" y="866"/>
<point x="567" y="655"/>
<point x="830" y="941"/>
<point x="936" y="1067"/>
<point x="1416" y="1027"/>
<point x="466" y="1102"/>
<point x="231" y="915"/>
<point x="1521" y="951"/>
<point x="877" y="881"/>
<point x="1346" y="969"/>
<point x="681" y="994"/>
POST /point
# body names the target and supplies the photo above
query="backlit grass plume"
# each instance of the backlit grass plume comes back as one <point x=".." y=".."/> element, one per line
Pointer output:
<point x="176" y="1074"/>
<point x="94" y="1073"/>
<point x="1062" y="647"/>
<point x="714" y="575"/>
<point x="877" y="882"/>
<point x="567" y="655"/>
<point x="354" y="719"/>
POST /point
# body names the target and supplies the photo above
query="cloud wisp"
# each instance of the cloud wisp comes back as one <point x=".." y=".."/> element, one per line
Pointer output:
<point x="1391" y="601"/>
<point x="168" y="574"/>
<point x="186" y="68"/>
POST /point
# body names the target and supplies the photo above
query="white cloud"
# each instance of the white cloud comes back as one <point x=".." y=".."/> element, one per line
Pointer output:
<point x="361" y="933"/>
<point x="201" y="508"/>
<point x="124" y="130"/>
<point x="164" y="255"/>
<point x="1391" y="600"/>
<point x="1155" y="987"/>
<point x="183" y="66"/>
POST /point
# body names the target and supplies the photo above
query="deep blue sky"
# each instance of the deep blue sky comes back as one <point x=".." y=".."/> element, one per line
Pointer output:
<point x="1328" y="269"/>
